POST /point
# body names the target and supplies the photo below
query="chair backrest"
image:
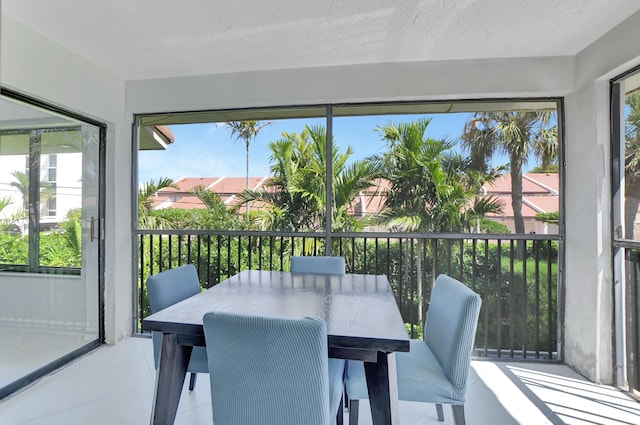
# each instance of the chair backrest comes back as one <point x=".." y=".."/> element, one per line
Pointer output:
<point x="171" y="286"/>
<point x="267" y="370"/>
<point x="450" y="327"/>
<point x="319" y="265"/>
<point x="167" y="288"/>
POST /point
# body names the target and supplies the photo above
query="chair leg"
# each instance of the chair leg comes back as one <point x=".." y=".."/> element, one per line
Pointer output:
<point x="353" y="412"/>
<point x="458" y="414"/>
<point x="192" y="381"/>
<point x="440" y="412"/>
<point x="345" y="398"/>
<point x="340" y="416"/>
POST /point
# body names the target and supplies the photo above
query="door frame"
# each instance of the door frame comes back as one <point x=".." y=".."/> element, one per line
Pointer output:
<point x="64" y="360"/>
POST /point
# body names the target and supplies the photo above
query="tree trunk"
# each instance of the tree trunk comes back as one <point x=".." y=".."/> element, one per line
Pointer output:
<point x="516" y="192"/>
<point x="516" y="201"/>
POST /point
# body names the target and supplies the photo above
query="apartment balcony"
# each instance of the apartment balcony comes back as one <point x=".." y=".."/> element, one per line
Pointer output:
<point x="100" y="74"/>
<point x="115" y="384"/>
<point x="516" y="275"/>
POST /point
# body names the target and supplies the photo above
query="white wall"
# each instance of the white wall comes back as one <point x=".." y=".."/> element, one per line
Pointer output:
<point x="35" y="66"/>
<point x="356" y="83"/>
<point x="589" y="308"/>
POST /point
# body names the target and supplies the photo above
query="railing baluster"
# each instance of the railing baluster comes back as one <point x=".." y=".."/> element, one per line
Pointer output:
<point x="536" y="247"/>
<point x="499" y="297"/>
<point x="376" y="256"/>
<point x="436" y="265"/>
<point x="461" y="272"/>
<point x="364" y="260"/>
<point x="525" y="292"/>
<point x="160" y="268"/>
<point x="142" y="292"/>
<point x="388" y="257"/>
<point x="188" y="249"/>
<point x="292" y="245"/>
<point x="228" y="273"/>
<point x="198" y="253"/>
<point x="428" y="278"/>
<point x="551" y="308"/>
<point x="151" y="270"/>
<point x="239" y="264"/>
<point x="218" y="263"/>
<point x="179" y="251"/>
<point x="484" y="298"/>
<point x="401" y="278"/>
<point x="512" y="287"/>
<point x="271" y="239"/>
<point x="353" y="253"/>
<point x="208" y="262"/>
<point x="412" y="285"/>
<point x="448" y="247"/>
<point x="169" y="248"/>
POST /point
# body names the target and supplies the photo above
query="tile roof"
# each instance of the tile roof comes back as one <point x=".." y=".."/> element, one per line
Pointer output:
<point x="540" y="193"/>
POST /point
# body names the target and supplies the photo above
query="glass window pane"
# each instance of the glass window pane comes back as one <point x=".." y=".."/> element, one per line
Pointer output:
<point x="233" y="175"/>
<point x="451" y="172"/>
<point x="632" y="157"/>
<point x="496" y="192"/>
<point x="14" y="202"/>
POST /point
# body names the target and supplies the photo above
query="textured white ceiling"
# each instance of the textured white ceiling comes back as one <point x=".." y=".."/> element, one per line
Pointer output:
<point x="140" y="39"/>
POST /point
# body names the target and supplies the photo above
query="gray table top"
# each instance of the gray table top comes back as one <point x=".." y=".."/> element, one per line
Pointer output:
<point x="360" y="310"/>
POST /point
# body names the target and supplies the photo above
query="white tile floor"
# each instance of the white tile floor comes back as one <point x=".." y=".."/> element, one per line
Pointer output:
<point x="114" y="385"/>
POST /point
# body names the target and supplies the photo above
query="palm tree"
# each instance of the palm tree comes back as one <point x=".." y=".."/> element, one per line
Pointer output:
<point x="296" y="194"/>
<point x="218" y="215"/>
<point x="47" y="190"/>
<point x="145" y="199"/>
<point x="632" y="163"/>
<point x="22" y="184"/>
<point x="431" y="188"/>
<point x="516" y="134"/>
<point x="247" y="131"/>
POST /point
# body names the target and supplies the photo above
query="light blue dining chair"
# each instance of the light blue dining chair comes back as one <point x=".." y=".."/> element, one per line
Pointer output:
<point x="434" y="370"/>
<point x="167" y="288"/>
<point x="318" y="265"/>
<point x="271" y="370"/>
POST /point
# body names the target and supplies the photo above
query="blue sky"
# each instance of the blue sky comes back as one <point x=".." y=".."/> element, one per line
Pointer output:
<point x="209" y="150"/>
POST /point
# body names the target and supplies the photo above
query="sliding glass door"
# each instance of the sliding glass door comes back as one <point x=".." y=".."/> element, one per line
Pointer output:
<point x="625" y="115"/>
<point x="50" y="239"/>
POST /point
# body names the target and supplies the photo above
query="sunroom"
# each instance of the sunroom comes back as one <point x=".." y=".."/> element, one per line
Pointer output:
<point x="89" y="89"/>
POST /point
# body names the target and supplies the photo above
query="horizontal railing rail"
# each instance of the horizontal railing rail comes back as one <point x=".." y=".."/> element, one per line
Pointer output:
<point x="516" y="275"/>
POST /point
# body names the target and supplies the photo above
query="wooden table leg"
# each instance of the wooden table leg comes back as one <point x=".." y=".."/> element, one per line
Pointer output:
<point x="174" y="359"/>
<point x="383" y="389"/>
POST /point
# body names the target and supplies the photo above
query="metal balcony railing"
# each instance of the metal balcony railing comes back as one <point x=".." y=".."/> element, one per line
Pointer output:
<point x="516" y="275"/>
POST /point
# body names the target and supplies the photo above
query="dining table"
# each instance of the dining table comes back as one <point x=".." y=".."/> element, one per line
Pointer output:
<point x="361" y="312"/>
